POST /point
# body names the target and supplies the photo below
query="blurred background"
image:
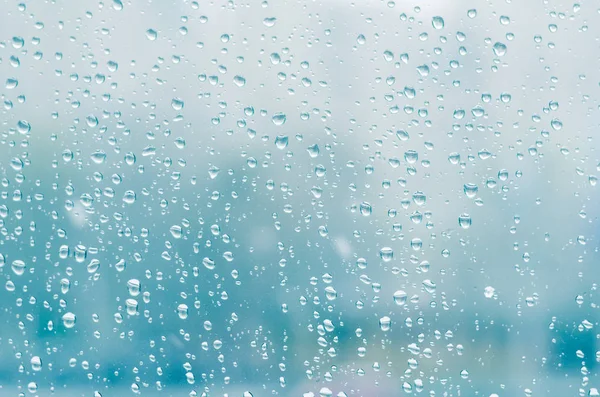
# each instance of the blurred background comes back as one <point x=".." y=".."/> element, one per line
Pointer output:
<point x="375" y="198"/>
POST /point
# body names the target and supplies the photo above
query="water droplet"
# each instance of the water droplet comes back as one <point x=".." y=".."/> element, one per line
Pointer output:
<point x="91" y="120"/>
<point x="279" y="119"/>
<point x="505" y="97"/>
<point x="499" y="49"/>
<point x="93" y="266"/>
<point x="464" y="221"/>
<point x="134" y="287"/>
<point x="177" y="103"/>
<point x="365" y="209"/>
<point x="385" y="323"/>
<point x="269" y="22"/>
<point x="23" y="127"/>
<point x="182" y="311"/>
<point x="470" y="190"/>
<point x="488" y="292"/>
<point x="98" y="156"/>
<point x="208" y="263"/>
<point x="121" y="265"/>
<point x="213" y="171"/>
<point x="423" y="70"/>
<point x="239" y="81"/>
<point x="330" y="293"/>
<point x="36" y="363"/>
<point x="400" y="297"/>
<point x="32" y="387"/>
<point x="176" y="231"/>
<point x="419" y="198"/>
<point x="151" y="34"/>
<point x="437" y="23"/>
<point x="18" y="267"/>
<point x="129" y="197"/>
<point x="386" y="254"/>
<point x="69" y="320"/>
<point x="11" y="83"/>
<point x="132" y="306"/>
<point x="429" y="286"/>
<point x="65" y="285"/>
<point x="556" y="124"/>
<point x="281" y="142"/>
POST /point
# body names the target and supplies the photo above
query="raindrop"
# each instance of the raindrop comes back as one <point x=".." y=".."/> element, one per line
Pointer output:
<point x="385" y="323"/>
<point x="279" y="119"/>
<point x="281" y="142"/>
<point x="151" y="34"/>
<point x="177" y="103"/>
<point x="18" y="267"/>
<point x="36" y="363"/>
<point x="69" y="320"/>
<point x="470" y="190"/>
<point x="239" y="81"/>
<point x="437" y="23"/>
<point x="134" y="287"/>
<point x="499" y="49"/>
<point x="98" y="156"/>
<point x="269" y="22"/>
<point x="386" y="254"/>
<point x="365" y="209"/>
<point x="400" y="297"/>
<point x="182" y="311"/>
<point x="464" y="221"/>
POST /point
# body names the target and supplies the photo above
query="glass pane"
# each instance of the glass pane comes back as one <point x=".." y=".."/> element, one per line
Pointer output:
<point x="317" y="199"/>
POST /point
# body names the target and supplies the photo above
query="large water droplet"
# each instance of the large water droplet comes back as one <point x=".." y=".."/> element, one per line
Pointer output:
<point x="18" y="267"/>
<point x="385" y="323"/>
<point x="400" y="297"/>
<point x="279" y="119"/>
<point x="177" y="103"/>
<point x="464" y="221"/>
<point x="386" y="254"/>
<point x="499" y="49"/>
<point x="437" y="23"/>
<point x="151" y="34"/>
<point x="69" y="320"/>
<point x="36" y="363"/>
